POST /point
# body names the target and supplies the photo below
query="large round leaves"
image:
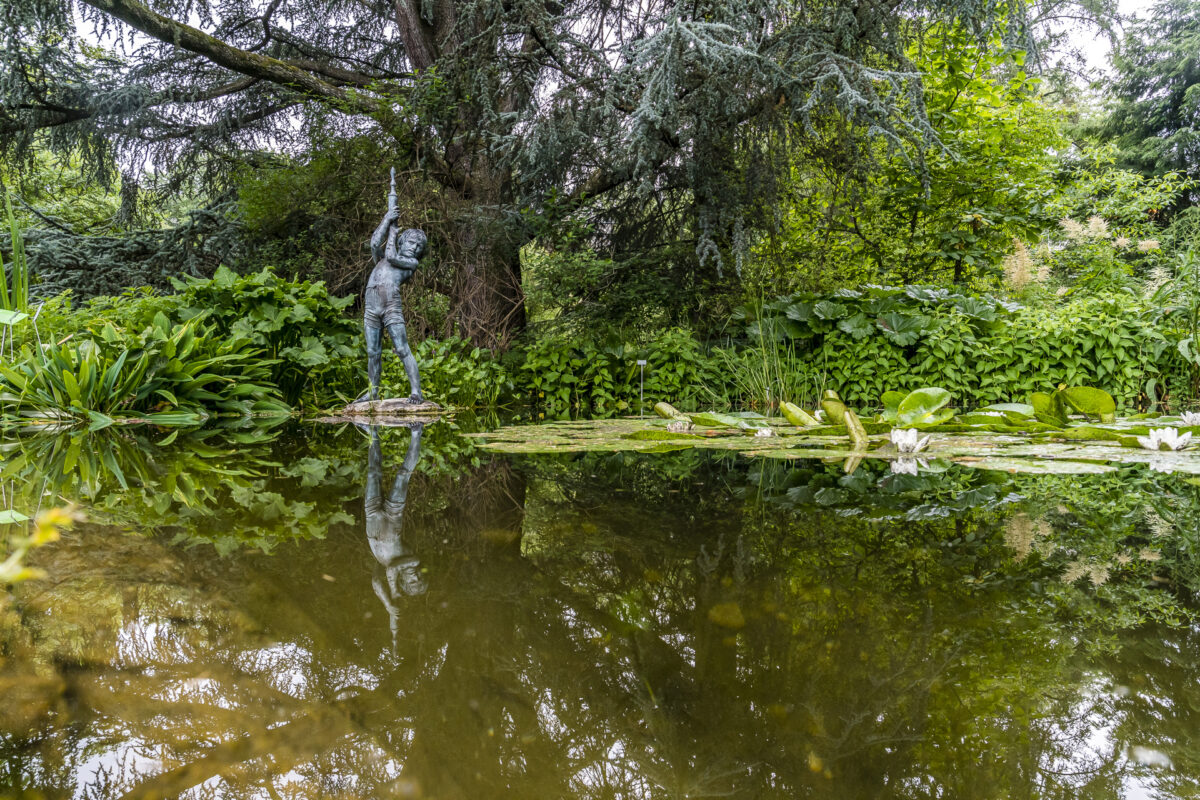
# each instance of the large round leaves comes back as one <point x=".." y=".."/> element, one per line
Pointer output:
<point x="923" y="407"/>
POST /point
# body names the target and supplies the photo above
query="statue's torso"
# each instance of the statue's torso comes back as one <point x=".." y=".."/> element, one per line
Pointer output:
<point x="387" y="277"/>
<point x="383" y="292"/>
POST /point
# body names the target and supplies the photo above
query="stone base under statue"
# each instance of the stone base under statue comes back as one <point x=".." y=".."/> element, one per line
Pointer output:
<point x="392" y="412"/>
<point x="391" y="407"/>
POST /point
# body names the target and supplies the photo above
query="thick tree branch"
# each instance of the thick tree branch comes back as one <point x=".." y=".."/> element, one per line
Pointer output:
<point x="165" y="29"/>
<point x="227" y="126"/>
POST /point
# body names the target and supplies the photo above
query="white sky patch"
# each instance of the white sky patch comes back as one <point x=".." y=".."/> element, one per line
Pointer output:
<point x="1097" y="47"/>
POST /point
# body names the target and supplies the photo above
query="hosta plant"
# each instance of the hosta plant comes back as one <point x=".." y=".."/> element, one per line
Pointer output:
<point x="155" y="375"/>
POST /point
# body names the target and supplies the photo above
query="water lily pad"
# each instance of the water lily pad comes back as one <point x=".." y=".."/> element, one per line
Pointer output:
<point x="1033" y="466"/>
<point x="1023" y="409"/>
<point x="891" y="405"/>
<point x="1091" y="402"/>
<point x="1049" y="408"/>
<point x="924" y="407"/>
<point x="797" y="415"/>
<point x="834" y="408"/>
<point x="713" y="419"/>
<point x="657" y="434"/>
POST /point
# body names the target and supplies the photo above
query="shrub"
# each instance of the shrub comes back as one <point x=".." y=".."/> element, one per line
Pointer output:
<point x="160" y="371"/>
<point x="982" y="349"/>
<point x="313" y="349"/>
<point x="453" y="372"/>
<point x="562" y="374"/>
<point x="316" y="347"/>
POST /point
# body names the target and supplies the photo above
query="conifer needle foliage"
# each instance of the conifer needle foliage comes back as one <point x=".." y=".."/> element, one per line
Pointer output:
<point x="645" y="117"/>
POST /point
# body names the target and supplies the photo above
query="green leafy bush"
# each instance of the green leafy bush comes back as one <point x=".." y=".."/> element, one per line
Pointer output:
<point x="313" y="349"/>
<point x="981" y="349"/>
<point x="561" y="374"/>
<point x="316" y="348"/>
<point x="157" y="373"/>
<point x="453" y="372"/>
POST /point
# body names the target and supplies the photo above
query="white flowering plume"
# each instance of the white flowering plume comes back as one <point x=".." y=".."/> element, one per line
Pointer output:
<point x="1019" y="266"/>
<point x="1097" y="227"/>
<point x="1165" y="439"/>
<point x="908" y="441"/>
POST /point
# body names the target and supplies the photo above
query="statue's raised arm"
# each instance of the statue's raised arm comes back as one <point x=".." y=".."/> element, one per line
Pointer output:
<point x="380" y="239"/>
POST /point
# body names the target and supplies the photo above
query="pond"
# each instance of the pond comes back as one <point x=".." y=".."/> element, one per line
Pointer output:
<point x="316" y="611"/>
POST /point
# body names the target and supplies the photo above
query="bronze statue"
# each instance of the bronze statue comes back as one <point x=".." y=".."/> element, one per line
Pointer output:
<point x="396" y="255"/>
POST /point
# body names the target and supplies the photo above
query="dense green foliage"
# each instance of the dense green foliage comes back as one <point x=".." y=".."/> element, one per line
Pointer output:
<point x="302" y="335"/>
<point x="256" y="344"/>
<point x="657" y="125"/>
<point x="453" y="372"/>
<point x="981" y="349"/>
<point x="952" y="222"/>
<point x="627" y="233"/>
<point x="305" y="331"/>
<point x="154" y="374"/>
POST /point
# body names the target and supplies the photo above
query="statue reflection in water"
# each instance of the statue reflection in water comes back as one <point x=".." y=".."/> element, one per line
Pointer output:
<point x="398" y="574"/>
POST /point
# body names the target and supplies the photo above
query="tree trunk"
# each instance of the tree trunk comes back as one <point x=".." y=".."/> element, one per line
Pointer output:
<point x="487" y="300"/>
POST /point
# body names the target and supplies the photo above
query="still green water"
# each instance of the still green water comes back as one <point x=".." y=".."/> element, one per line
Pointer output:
<point x="315" y="612"/>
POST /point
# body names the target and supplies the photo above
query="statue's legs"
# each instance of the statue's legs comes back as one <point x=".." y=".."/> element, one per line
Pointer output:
<point x="374" y="355"/>
<point x="399" y="335"/>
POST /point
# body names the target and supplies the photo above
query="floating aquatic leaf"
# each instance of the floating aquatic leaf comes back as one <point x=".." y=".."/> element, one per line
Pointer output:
<point x="1032" y="466"/>
<point x="1049" y="408"/>
<point x="667" y="411"/>
<point x="924" y="407"/>
<point x="713" y="419"/>
<point x="797" y="416"/>
<point x="1023" y="409"/>
<point x="658" y="435"/>
<point x="1091" y="402"/>
<point x="891" y="405"/>
<point x="834" y="408"/>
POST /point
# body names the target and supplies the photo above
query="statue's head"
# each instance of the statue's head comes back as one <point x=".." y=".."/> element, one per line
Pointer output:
<point x="411" y="243"/>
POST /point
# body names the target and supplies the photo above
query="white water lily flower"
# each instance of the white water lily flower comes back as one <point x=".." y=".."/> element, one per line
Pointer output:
<point x="679" y="426"/>
<point x="761" y="432"/>
<point x="1190" y="418"/>
<point x="907" y="441"/>
<point x="1165" y="436"/>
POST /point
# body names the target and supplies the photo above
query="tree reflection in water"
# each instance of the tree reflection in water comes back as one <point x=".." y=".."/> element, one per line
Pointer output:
<point x="596" y="627"/>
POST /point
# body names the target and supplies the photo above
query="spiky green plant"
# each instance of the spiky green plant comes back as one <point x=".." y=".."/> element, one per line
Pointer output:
<point x="14" y="296"/>
<point x="167" y="374"/>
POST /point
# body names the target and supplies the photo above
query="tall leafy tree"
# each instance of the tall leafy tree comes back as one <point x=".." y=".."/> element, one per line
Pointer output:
<point x="1154" y="118"/>
<point x="642" y="115"/>
<point x="988" y="183"/>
